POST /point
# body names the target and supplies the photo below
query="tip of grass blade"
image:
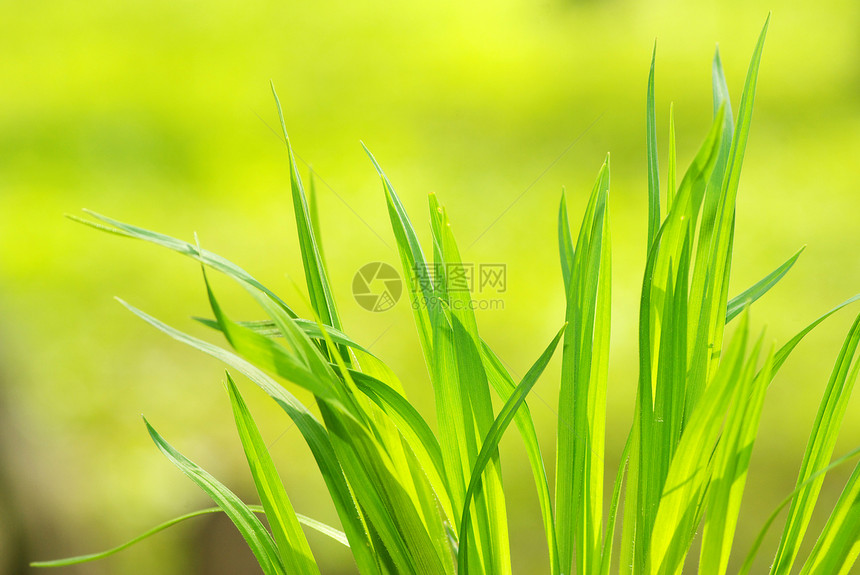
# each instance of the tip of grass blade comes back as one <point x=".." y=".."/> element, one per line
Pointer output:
<point x="280" y="113"/>
<point x="372" y="159"/>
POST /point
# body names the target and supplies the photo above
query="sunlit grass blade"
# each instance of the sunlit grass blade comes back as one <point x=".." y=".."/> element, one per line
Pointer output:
<point x="654" y="217"/>
<point x="731" y="463"/>
<point x="582" y="393"/>
<point x="505" y="386"/>
<point x="489" y="447"/>
<point x="785" y="351"/>
<point x="315" y="272"/>
<point x="253" y="531"/>
<point x="673" y="160"/>
<point x="754" y="292"/>
<point x="268" y="354"/>
<point x="312" y="430"/>
<point x="413" y="262"/>
<point x="756" y="545"/>
<point x="212" y="260"/>
<point x="293" y="548"/>
<point x="838" y="545"/>
<point x="609" y="538"/>
<point x="391" y="509"/>
<point x="318" y="526"/>
<point x="474" y="400"/>
<point x="269" y="328"/>
<point x="715" y="281"/>
<point x="822" y="441"/>
<point x="641" y="496"/>
<point x="415" y="431"/>
<point x="673" y="259"/>
<point x="313" y="209"/>
<point x="679" y="509"/>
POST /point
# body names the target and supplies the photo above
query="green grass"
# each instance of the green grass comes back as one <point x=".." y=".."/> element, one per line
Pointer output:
<point x="413" y="502"/>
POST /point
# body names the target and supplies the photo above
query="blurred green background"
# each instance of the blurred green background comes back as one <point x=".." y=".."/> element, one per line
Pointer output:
<point x="159" y="113"/>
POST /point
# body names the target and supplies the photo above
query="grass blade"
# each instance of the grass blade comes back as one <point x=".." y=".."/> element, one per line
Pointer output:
<point x="293" y="548"/>
<point x="246" y="522"/>
<point x="489" y="448"/>
<point x="839" y="543"/>
<point x="185" y="248"/>
<point x="754" y="549"/>
<point x="822" y="441"/>
<point x="331" y="532"/>
<point x="751" y="294"/>
<point x="582" y="393"/>
<point x="315" y="272"/>
<point x="312" y="430"/>
<point x="728" y="479"/>
<point x="679" y="509"/>
<point x="505" y="386"/>
<point x="654" y="217"/>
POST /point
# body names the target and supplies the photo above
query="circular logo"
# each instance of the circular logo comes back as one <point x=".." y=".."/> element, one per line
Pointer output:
<point x="377" y="286"/>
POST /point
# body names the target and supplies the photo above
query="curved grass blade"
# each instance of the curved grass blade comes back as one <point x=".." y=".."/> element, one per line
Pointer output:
<point x="609" y="538"/>
<point x="822" y="441"/>
<point x="505" y="386"/>
<point x="312" y="430"/>
<point x="751" y="294"/>
<point x="327" y="530"/>
<point x="293" y="548"/>
<point x="839" y="543"/>
<point x="258" y="539"/>
<point x="185" y="248"/>
<point x="818" y="475"/>
<point x="731" y="463"/>
<point x="489" y="449"/>
<point x="383" y="492"/>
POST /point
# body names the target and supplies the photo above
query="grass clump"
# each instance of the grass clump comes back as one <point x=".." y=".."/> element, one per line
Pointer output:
<point x="414" y="502"/>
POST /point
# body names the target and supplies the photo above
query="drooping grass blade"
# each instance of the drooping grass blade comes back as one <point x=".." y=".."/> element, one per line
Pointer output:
<point x="258" y="539"/>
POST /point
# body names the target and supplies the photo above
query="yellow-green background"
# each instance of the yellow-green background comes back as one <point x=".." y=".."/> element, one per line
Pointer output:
<point x="159" y="113"/>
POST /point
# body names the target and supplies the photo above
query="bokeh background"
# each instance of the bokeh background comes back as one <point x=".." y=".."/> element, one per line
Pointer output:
<point x="159" y="113"/>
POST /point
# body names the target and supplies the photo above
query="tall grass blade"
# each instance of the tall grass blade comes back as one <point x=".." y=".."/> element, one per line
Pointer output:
<point x="489" y="448"/>
<point x="473" y="400"/>
<point x="293" y="548"/>
<point x="582" y="393"/>
<point x="505" y="386"/>
<point x="756" y="546"/>
<point x="679" y="508"/>
<point x="315" y="272"/>
<point x="731" y="463"/>
<point x="654" y="217"/>
<point x="822" y="441"/>
<point x="839" y="543"/>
